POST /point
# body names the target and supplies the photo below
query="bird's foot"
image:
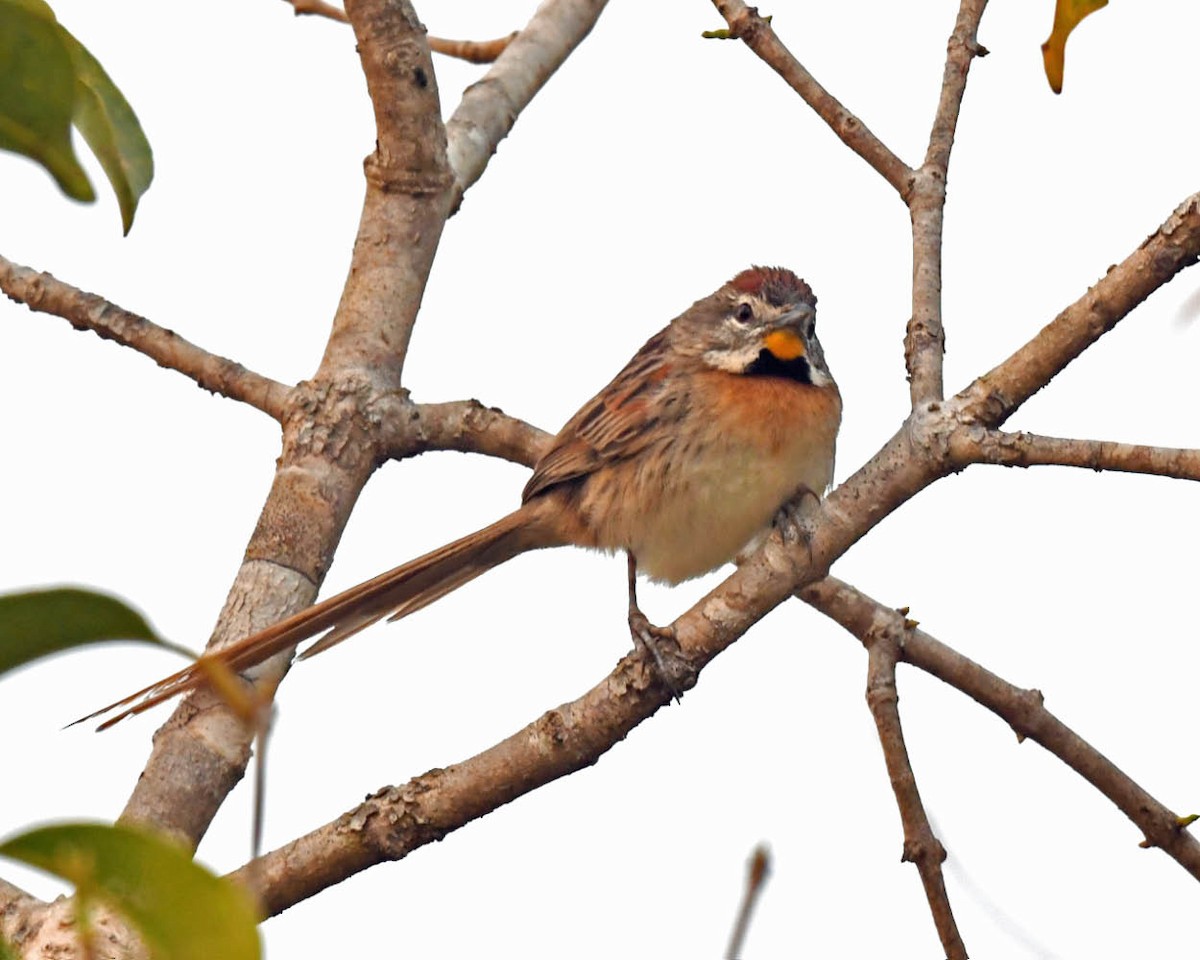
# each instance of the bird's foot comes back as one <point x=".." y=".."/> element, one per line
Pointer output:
<point x="795" y="519"/>
<point x="647" y="637"/>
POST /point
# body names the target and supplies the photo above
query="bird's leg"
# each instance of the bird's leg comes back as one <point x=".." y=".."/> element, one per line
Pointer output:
<point x="646" y="635"/>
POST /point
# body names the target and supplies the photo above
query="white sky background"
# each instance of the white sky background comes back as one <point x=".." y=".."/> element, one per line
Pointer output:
<point x="650" y="169"/>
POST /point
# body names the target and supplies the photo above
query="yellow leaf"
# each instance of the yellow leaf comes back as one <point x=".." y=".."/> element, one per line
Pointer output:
<point x="1067" y="14"/>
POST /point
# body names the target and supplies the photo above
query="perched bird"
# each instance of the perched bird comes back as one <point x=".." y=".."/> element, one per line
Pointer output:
<point x="717" y="422"/>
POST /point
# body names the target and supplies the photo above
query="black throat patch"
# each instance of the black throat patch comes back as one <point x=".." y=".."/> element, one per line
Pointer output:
<point x="769" y="365"/>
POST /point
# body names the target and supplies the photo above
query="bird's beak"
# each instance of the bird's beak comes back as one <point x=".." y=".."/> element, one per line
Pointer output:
<point x="785" y="342"/>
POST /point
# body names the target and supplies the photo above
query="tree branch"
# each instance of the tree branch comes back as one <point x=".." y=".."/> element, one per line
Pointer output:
<point x="44" y="930"/>
<point x="925" y="338"/>
<point x="1023" y="710"/>
<point x="756" y="32"/>
<point x="397" y="820"/>
<point x="472" y="51"/>
<point x="920" y="452"/>
<point x="318" y="8"/>
<point x="994" y="397"/>
<point x="757" y="872"/>
<point x="490" y="107"/>
<point x="18" y="913"/>
<point x="1029" y="449"/>
<point x="961" y="49"/>
<point x="42" y="293"/>
<point x="409" y="192"/>
<point x="469" y="427"/>
<point x="338" y="426"/>
<point x="885" y="643"/>
<point x="331" y="428"/>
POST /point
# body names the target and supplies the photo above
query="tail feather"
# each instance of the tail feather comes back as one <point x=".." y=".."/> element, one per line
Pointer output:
<point x="397" y="593"/>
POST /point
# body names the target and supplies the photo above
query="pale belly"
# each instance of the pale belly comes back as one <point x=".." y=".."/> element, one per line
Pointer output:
<point x="684" y="522"/>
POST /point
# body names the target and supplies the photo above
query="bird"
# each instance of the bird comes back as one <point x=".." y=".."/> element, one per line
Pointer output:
<point x="722" y="418"/>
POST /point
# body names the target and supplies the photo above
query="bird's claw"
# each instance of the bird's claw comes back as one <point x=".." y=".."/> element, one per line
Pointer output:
<point x="794" y="520"/>
<point x="646" y="637"/>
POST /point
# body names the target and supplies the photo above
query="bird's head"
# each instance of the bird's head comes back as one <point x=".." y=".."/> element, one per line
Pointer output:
<point x="762" y="322"/>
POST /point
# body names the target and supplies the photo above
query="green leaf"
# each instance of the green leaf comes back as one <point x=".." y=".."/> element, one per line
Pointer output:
<point x="37" y="93"/>
<point x="41" y="622"/>
<point x="49" y="80"/>
<point x="180" y="910"/>
<point x="111" y="129"/>
<point x="6" y="951"/>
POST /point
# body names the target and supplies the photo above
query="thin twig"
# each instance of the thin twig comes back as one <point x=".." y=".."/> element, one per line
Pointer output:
<point x="42" y="293"/>
<point x="961" y="50"/>
<point x="925" y="338"/>
<point x="1029" y="449"/>
<point x="1023" y="710"/>
<point x="756" y="32"/>
<point x="757" y="872"/>
<point x="473" y="51"/>
<point x="318" y="8"/>
<point x="884" y="643"/>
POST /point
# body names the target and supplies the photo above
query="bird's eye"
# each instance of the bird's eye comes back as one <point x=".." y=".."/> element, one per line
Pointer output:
<point x="745" y="313"/>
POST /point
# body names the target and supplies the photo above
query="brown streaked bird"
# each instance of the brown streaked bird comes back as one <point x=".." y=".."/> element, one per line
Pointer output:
<point x="681" y="461"/>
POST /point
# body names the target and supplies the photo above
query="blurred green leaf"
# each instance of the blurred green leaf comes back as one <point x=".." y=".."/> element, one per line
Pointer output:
<point x="37" y="93"/>
<point x="7" y="952"/>
<point x="180" y="910"/>
<point x="41" y="622"/>
<point x="49" y="81"/>
<point x="111" y="129"/>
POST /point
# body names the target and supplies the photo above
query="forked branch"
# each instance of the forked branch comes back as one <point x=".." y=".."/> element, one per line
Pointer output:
<point x="1023" y="710"/>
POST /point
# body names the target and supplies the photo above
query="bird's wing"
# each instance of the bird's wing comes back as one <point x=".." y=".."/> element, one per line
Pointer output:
<point x="615" y="424"/>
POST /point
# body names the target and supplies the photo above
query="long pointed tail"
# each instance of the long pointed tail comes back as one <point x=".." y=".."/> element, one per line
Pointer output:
<point x="397" y="593"/>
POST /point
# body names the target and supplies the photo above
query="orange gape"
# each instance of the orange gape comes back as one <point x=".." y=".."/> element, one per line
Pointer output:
<point x="717" y="422"/>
